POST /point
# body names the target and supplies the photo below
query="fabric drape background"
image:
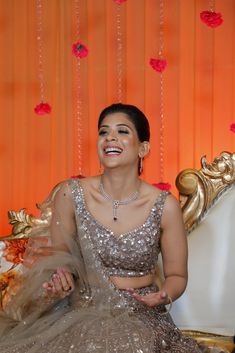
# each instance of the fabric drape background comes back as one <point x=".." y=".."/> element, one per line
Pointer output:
<point x="36" y="152"/>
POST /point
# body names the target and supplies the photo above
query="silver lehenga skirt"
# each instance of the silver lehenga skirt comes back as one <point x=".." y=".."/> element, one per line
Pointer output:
<point x="124" y="326"/>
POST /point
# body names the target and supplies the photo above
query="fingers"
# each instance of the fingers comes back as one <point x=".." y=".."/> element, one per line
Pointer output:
<point x="163" y="295"/>
<point x="64" y="280"/>
<point x="60" y="285"/>
<point x="151" y="299"/>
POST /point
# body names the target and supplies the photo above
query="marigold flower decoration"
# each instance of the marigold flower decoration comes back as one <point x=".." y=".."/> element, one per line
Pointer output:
<point x="162" y="186"/>
<point x="119" y="2"/>
<point x="14" y="250"/>
<point x="5" y="278"/>
<point x="158" y="65"/>
<point x="79" y="50"/>
<point x="211" y="19"/>
<point x="232" y="127"/>
<point x="42" y="108"/>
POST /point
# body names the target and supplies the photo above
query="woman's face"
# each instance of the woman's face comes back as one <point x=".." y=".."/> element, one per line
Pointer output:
<point x="118" y="143"/>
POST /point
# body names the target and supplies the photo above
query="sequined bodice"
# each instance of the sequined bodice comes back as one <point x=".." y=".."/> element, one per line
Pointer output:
<point x="131" y="254"/>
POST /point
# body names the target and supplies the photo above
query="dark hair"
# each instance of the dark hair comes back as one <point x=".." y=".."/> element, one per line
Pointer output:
<point x="135" y="115"/>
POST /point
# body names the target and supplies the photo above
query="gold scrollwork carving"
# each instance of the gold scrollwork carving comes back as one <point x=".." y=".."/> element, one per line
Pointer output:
<point x="199" y="188"/>
<point x="224" y="343"/>
<point x="24" y="223"/>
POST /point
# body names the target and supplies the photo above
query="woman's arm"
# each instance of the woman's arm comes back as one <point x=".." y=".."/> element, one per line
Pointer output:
<point x="62" y="227"/>
<point x="174" y="255"/>
<point x="174" y="249"/>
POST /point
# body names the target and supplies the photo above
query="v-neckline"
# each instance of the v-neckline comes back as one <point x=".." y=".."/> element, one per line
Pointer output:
<point x="109" y="230"/>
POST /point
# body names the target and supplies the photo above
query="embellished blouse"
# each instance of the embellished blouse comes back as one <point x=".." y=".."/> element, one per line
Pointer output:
<point x="131" y="254"/>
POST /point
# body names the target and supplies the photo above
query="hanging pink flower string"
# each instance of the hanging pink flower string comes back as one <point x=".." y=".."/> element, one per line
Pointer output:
<point x="162" y="186"/>
<point x="79" y="50"/>
<point x="232" y="127"/>
<point x="79" y="176"/>
<point x="42" y="108"/>
<point x="211" y="18"/>
<point x="158" y="65"/>
<point x="119" y="2"/>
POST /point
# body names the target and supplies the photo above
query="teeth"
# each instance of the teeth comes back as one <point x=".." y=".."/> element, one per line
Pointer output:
<point x="112" y="150"/>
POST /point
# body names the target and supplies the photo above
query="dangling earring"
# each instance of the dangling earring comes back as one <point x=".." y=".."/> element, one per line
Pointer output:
<point x="101" y="170"/>
<point x="140" y="165"/>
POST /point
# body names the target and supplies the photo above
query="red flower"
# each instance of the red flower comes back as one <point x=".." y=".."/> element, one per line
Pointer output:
<point x="14" y="250"/>
<point x="158" y="64"/>
<point x="79" y="50"/>
<point x="79" y="176"/>
<point x="119" y="2"/>
<point x="232" y="127"/>
<point x="42" y="108"/>
<point x="162" y="186"/>
<point x="211" y="18"/>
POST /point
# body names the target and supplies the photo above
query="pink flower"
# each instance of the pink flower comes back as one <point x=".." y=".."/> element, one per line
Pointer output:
<point x="158" y="64"/>
<point x="119" y="2"/>
<point x="232" y="127"/>
<point x="162" y="186"/>
<point x="79" y="176"/>
<point x="211" y="18"/>
<point x="79" y="50"/>
<point x="42" y="108"/>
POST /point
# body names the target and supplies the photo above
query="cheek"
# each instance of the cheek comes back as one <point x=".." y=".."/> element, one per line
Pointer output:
<point x="99" y="147"/>
<point x="131" y="142"/>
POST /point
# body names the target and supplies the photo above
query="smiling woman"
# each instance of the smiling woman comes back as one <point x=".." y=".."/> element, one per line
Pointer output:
<point x="96" y="290"/>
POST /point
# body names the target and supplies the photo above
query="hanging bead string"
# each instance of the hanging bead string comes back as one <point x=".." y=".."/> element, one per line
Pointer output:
<point x="39" y="36"/>
<point x="161" y="89"/>
<point x="212" y="5"/>
<point x="78" y="104"/>
<point x="119" y="38"/>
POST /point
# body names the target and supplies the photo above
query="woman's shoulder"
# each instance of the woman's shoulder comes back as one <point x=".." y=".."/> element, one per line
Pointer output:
<point x="170" y="201"/>
<point x="153" y="191"/>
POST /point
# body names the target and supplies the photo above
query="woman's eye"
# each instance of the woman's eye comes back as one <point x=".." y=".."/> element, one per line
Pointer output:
<point x="123" y="131"/>
<point x="102" y="132"/>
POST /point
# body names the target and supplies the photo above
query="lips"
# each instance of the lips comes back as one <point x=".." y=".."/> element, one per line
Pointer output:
<point x="112" y="150"/>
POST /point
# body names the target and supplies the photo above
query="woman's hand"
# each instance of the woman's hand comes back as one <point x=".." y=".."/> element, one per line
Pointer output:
<point x="60" y="285"/>
<point x="151" y="299"/>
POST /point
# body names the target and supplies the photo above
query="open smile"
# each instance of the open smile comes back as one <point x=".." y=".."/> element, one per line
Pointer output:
<point x="112" y="151"/>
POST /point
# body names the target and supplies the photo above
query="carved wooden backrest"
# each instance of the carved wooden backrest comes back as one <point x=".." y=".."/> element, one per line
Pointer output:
<point x="199" y="189"/>
<point x="204" y="196"/>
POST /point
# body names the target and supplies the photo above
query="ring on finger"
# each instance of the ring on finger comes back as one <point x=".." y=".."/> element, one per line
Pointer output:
<point x="68" y="289"/>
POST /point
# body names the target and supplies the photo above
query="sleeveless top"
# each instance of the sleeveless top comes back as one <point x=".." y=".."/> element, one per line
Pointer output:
<point x="131" y="254"/>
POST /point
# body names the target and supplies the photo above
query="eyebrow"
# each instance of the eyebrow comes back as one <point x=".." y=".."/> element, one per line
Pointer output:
<point x="116" y="125"/>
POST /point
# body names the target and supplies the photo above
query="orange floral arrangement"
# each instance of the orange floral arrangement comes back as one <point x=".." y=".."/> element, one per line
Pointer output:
<point x="10" y="281"/>
<point x="14" y="250"/>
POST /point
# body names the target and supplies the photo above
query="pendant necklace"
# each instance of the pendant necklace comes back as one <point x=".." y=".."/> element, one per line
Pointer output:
<point x="117" y="203"/>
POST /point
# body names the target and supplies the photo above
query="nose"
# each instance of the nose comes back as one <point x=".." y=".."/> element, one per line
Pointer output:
<point x="111" y="136"/>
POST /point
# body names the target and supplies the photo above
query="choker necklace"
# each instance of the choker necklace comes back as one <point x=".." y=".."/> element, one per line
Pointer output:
<point x="117" y="203"/>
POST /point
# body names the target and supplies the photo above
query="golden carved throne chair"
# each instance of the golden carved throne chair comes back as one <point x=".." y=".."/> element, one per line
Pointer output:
<point x="206" y="310"/>
<point x="207" y="196"/>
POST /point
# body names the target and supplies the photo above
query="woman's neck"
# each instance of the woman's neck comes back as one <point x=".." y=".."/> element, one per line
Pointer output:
<point x="120" y="185"/>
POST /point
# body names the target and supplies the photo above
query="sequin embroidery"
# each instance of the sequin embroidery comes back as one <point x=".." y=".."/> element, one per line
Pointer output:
<point x="132" y="254"/>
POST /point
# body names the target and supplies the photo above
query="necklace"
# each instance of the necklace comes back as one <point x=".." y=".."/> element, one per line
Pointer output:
<point x="117" y="203"/>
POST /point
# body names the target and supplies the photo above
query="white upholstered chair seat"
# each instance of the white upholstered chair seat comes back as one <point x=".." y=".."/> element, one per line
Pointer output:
<point x="208" y="303"/>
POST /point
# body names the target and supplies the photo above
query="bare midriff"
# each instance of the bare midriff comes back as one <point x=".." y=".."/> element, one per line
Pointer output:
<point x="132" y="282"/>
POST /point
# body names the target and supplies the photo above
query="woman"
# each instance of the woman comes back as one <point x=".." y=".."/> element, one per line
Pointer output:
<point x="96" y="291"/>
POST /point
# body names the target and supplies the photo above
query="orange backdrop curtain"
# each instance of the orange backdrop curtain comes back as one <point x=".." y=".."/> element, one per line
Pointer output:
<point x="199" y="87"/>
